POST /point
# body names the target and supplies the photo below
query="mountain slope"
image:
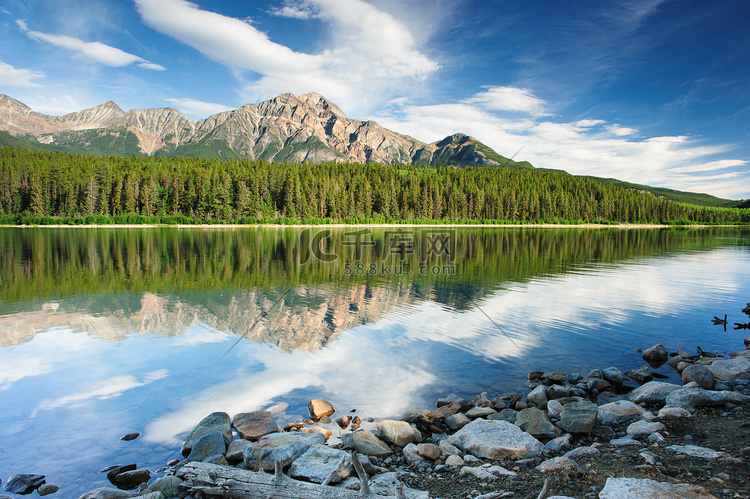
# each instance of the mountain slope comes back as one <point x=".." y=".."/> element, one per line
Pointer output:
<point x="285" y="128"/>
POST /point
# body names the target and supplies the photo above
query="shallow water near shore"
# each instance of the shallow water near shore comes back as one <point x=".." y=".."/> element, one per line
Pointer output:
<point x="108" y="331"/>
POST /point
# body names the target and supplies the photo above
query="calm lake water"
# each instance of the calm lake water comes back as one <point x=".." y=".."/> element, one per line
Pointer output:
<point x="109" y="331"/>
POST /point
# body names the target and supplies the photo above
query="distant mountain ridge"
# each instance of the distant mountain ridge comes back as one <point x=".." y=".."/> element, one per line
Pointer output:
<point x="286" y="128"/>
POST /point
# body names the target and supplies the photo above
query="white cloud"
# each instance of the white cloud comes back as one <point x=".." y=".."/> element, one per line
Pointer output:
<point x="13" y="369"/>
<point x="96" y="51"/>
<point x="512" y="99"/>
<point x="370" y="53"/>
<point x="18" y="77"/>
<point x="583" y="147"/>
<point x="293" y="11"/>
<point x="196" y="108"/>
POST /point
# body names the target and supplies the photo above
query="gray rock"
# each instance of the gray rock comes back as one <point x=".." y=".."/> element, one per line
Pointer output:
<point x="696" y="451"/>
<point x="284" y="447"/>
<point x="560" y="444"/>
<point x="319" y="409"/>
<point x="168" y="485"/>
<point x="388" y="484"/>
<point x="578" y="417"/>
<point x="582" y="451"/>
<point x="730" y="370"/>
<point x="653" y="392"/>
<point x="556" y="463"/>
<point x="534" y="422"/>
<point x="674" y="412"/>
<point x="598" y="384"/>
<point x="641" y="375"/>
<point x="644" y="428"/>
<point x="106" y="493"/>
<point x="206" y="446"/>
<point x="47" y="489"/>
<point x="538" y="396"/>
<point x="152" y="495"/>
<point x="217" y="459"/>
<point x="656" y="354"/>
<point x="508" y="415"/>
<point x="217" y="421"/>
<point x="319" y="461"/>
<point x="454" y="461"/>
<point x="481" y="400"/>
<point x="480" y="412"/>
<point x="429" y="451"/>
<point x="554" y="408"/>
<point x="625" y="442"/>
<point x="557" y="392"/>
<point x="554" y="377"/>
<point x="237" y="448"/>
<point x="366" y="443"/>
<point x="412" y="455"/>
<point x="574" y="378"/>
<point x="253" y="425"/>
<point x="699" y="374"/>
<point x="24" y="483"/>
<point x="447" y="448"/>
<point x="613" y="375"/>
<point x="496" y="439"/>
<point x="620" y="411"/>
<point x="696" y="397"/>
<point x="639" y="488"/>
<point x="399" y="433"/>
<point x="131" y="479"/>
<point x="457" y="421"/>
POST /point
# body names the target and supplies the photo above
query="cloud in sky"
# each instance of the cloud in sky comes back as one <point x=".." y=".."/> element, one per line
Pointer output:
<point x="198" y="109"/>
<point x="96" y="51"/>
<point x="370" y="51"/>
<point x="18" y="77"/>
<point x="582" y="147"/>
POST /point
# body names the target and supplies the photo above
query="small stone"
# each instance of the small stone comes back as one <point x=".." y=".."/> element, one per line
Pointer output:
<point x="674" y="412"/>
<point x="538" y="396"/>
<point x="344" y="421"/>
<point x="444" y="411"/>
<point x="411" y="454"/>
<point x="625" y="442"/>
<point x="206" y="446"/>
<point x="620" y="411"/>
<point x="253" y="425"/>
<point x="554" y="377"/>
<point x="457" y="421"/>
<point x="130" y="436"/>
<point x="644" y="428"/>
<point x="613" y="375"/>
<point x="169" y="485"/>
<point x="448" y="449"/>
<point x="47" y="489"/>
<point x="319" y="408"/>
<point x="216" y="421"/>
<point x="557" y="392"/>
<point x="554" y="408"/>
<point x="641" y="375"/>
<point x="284" y="447"/>
<point x="582" y="451"/>
<point x="657" y="437"/>
<point x="653" y="392"/>
<point x="578" y="417"/>
<point x="656" y="354"/>
<point x="366" y="443"/>
<point x="131" y="479"/>
<point x="560" y="444"/>
<point x="697" y="451"/>
<point x="481" y="400"/>
<point x="480" y="412"/>
<point x="696" y="397"/>
<point x="574" y="378"/>
<point x="319" y="461"/>
<point x="106" y="493"/>
<point x="534" y="422"/>
<point x="700" y="374"/>
<point x="556" y="463"/>
<point x="508" y="415"/>
<point x="454" y="461"/>
<point x="317" y="429"/>
<point x="399" y="433"/>
<point x="464" y="405"/>
<point x="471" y="459"/>
<point x="236" y="449"/>
<point x="217" y="459"/>
<point x="429" y="451"/>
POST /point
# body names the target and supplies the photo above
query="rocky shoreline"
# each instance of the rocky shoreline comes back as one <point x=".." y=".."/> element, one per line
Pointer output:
<point x="607" y="434"/>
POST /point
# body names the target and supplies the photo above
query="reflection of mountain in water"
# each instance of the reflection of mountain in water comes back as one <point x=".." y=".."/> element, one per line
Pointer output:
<point x="304" y="319"/>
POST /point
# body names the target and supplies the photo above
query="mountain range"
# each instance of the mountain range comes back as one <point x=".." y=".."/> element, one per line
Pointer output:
<point x="286" y="128"/>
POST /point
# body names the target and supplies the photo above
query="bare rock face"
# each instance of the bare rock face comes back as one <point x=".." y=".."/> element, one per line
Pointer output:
<point x="286" y="128"/>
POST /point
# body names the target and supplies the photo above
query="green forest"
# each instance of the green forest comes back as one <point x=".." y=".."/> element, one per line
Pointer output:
<point x="47" y="187"/>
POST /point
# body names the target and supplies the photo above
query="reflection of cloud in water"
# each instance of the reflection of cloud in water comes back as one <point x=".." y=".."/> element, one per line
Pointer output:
<point x="200" y="334"/>
<point x="104" y="389"/>
<point x="13" y="369"/>
<point x="380" y="381"/>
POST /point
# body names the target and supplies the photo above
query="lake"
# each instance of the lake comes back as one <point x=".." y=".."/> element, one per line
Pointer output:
<point x="107" y="331"/>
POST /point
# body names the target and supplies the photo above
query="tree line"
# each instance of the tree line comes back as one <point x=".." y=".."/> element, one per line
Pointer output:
<point x="44" y="187"/>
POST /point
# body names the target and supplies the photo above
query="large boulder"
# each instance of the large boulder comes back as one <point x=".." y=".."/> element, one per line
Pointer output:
<point x="578" y="417"/>
<point x="495" y="440"/>
<point x="318" y="462"/>
<point x="730" y="370"/>
<point x="217" y="421"/>
<point x="699" y="374"/>
<point x="653" y="392"/>
<point x="639" y="488"/>
<point x="284" y="447"/>
<point x="397" y="432"/>
<point x="620" y="411"/>
<point x="694" y="396"/>
<point x="253" y="425"/>
<point x="655" y="355"/>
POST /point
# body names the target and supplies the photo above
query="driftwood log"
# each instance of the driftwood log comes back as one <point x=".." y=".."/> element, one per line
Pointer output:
<point x="224" y="481"/>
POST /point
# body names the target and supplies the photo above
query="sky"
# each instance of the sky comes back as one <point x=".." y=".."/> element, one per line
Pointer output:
<point x="654" y="92"/>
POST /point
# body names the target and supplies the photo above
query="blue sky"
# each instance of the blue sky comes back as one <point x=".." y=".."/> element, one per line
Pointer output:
<point x="649" y="91"/>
